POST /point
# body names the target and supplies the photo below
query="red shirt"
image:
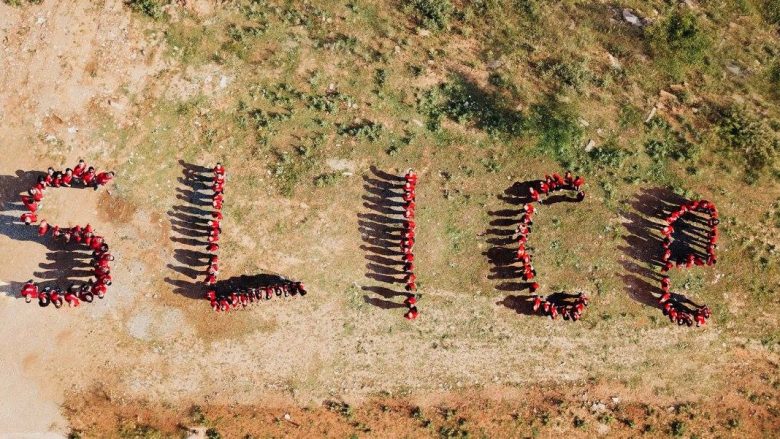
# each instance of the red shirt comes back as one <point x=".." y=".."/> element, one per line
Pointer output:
<point x="103" y="178"/>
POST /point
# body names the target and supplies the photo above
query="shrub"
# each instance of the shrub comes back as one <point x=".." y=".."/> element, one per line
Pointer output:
<point x="21" y="2"/>
<point x="569" y="74"/>
<point x="679" y="39"/>
<point x="150" y="8"/>
<point x="774" y="75"/>
<point x="328" y="179"/>
<point x="678" y="428"/>
<point x="558" y="130"/>
<point x="463" y="101"/>
<point x="749" y="138"/>
<point x="365" y="129"/>
<point x="608" y="156"/>
<point x="771" y="11"/>
<point x="432" y="14"/>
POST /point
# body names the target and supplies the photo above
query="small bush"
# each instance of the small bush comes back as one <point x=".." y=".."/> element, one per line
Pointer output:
<point x="463" y="101"/>
<point x="774" y="76"/>
<point x="608" y="156"/>
<point x="328" y="179"/>
<point x="771" y="11"/>
<point x="679" y="39"/>
<point x="678" y="428"/>
<point x="569" y="74"/>
<point x="365" y="129"/>
<point x="431" y="14"/>
<point x="749" y="138"/>
<point x="21" y="2"/>
<point x="558" y="130"/>
<point x="150" y="8"/>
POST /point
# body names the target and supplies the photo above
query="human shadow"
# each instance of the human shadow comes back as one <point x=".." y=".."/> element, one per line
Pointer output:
<point x="643" y="248"/>
<point x="380" y="227"/>
<point x="189" y="227"/>
<point x="244" y="282"/>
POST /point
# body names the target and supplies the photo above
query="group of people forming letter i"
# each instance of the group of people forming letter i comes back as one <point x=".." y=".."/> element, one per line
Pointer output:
<point x="407" y="244"/>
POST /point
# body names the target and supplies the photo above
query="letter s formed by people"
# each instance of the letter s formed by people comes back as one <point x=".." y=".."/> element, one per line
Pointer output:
<point x="74" y="237"/>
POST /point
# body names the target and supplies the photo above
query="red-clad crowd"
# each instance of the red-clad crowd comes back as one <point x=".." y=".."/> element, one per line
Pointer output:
<point x="557" y="183"/>
<point x="244" y="296"/>
<point x="676" y="311"/>
<point x="101" y="258"/>
<point x="522" y="232"/>
<point x="407" y="244"/>
<point x="569" y="311"/>
<point x="80" y="176"/>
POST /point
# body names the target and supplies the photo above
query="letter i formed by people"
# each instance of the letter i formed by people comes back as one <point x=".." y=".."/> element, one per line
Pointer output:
<point x="407" y="244"/>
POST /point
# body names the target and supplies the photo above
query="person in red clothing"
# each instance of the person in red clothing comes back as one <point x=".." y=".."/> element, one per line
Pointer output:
<point x="71" y="296"/>
<point x="49" y="177"/>
<point x="67" y="178"/>
<point x="217" y="215"/>
<point x="43" y="227"/>
<point x="79" y="169"/>
<point x="412" y="314"/>
<point x="212" y="247"/>
<point x="533" y="287"/>
<point x="537" y="303"/>
<point x="29" y="291"/>
<point x="534" y="194"/>
<point x="219" y="169"/>
<point x="89" y="177"/>
<point x="411" y="176"/>
<point x="29" y="218"/>
<point x="36" y="194"/>
<point x="30" y="203"/>
<point x="578" y="182"/>
<point x="217" y="204"/>
<point x="544" y="188"/>
<point x="103" y="178"/>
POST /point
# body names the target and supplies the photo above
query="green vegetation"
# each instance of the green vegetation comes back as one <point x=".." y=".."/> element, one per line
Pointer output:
<point x="680" y="41"/>
<point x="150" y="8"/>
<point x="432" y="14"/>
<point x="22" y="2"/>
<point x="749" y="139"/>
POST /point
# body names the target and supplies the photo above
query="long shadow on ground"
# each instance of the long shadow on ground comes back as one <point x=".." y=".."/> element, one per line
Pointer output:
<point x="380" y="228"/>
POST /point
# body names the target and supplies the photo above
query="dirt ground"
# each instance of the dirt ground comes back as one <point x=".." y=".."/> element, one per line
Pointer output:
<point x="151" y="360"/>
